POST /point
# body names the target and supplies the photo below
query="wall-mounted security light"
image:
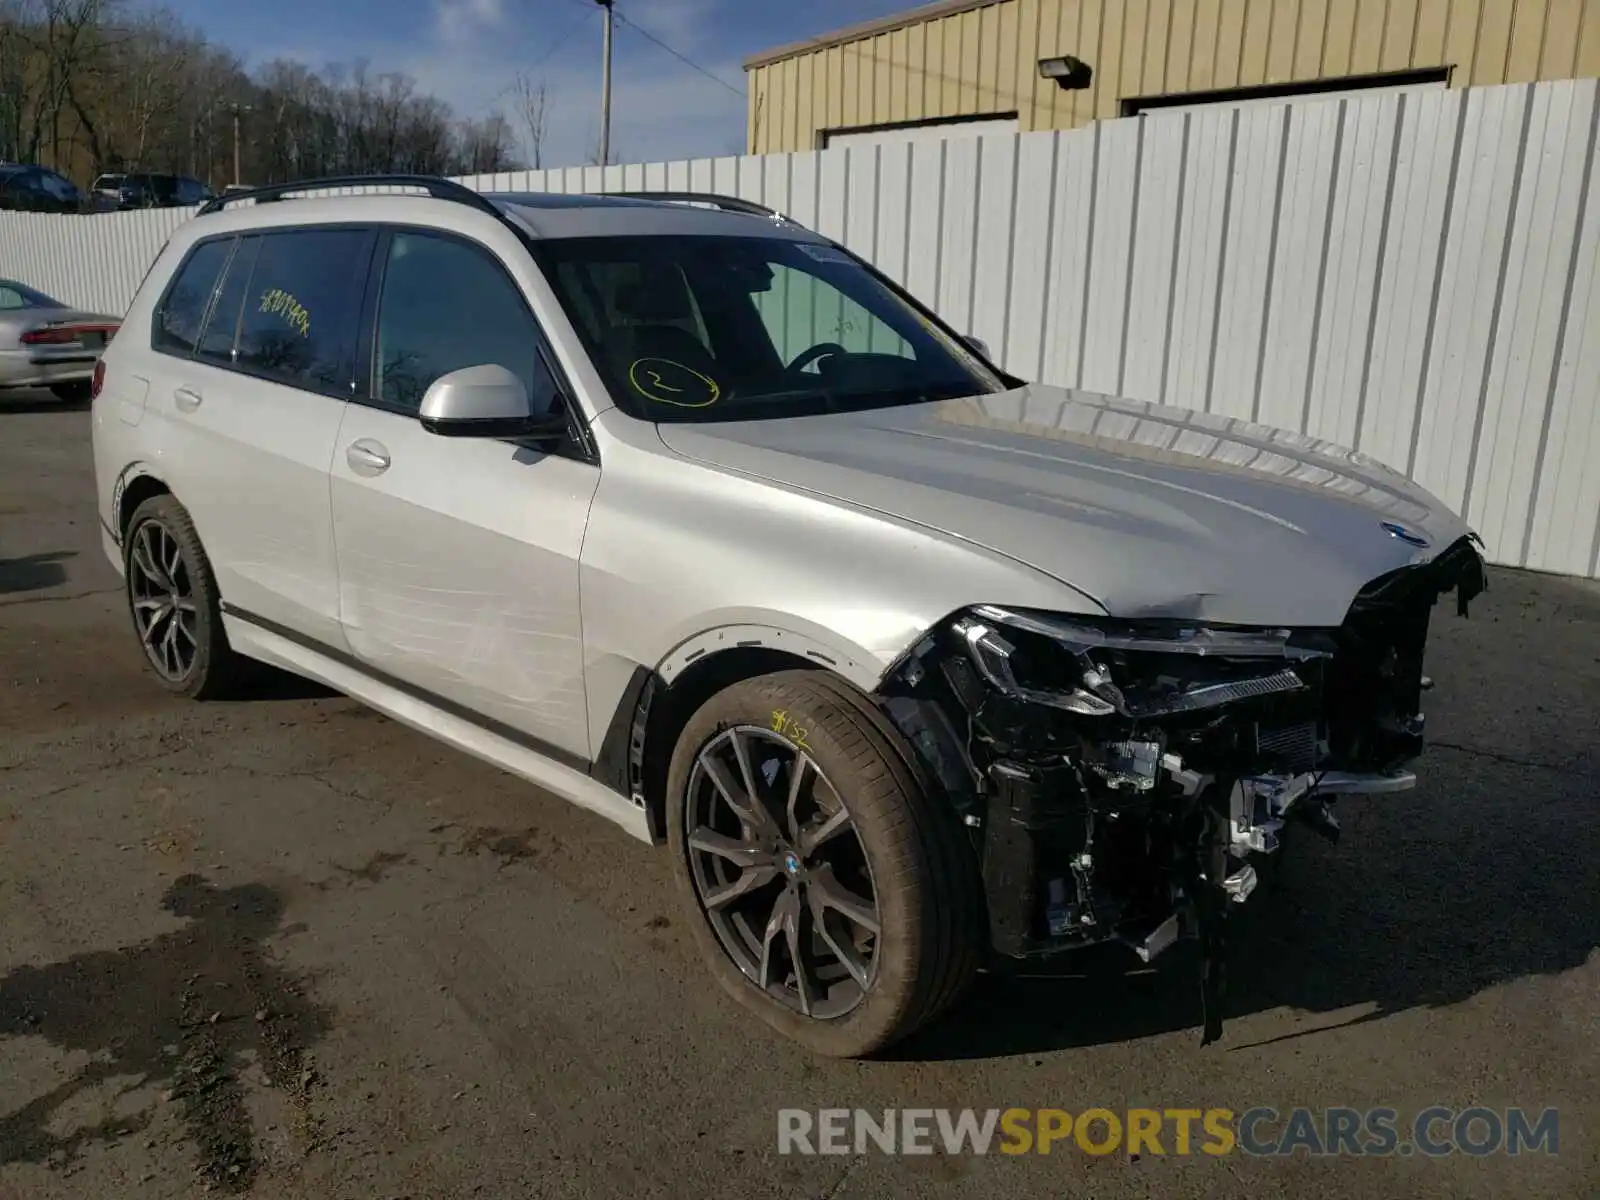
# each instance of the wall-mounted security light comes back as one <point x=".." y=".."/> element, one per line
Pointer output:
<point x="1069" y="73"/>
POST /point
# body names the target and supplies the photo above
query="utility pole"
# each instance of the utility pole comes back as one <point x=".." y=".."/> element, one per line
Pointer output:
<point x="236" y="179"/>
<point x="605" y="86"/>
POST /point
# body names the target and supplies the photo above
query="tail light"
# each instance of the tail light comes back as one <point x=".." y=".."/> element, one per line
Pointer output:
<point x="64" y="335"/>
<point x="49" y="337"/>
<point x="98" y="381"/>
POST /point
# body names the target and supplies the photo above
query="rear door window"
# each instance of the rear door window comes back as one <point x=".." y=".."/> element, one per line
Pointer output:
<point x="182" y="310"/>
<point x="301" y="310"/>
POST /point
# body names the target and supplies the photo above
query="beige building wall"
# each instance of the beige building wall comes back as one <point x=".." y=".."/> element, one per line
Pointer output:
<point x="980" y="57"/>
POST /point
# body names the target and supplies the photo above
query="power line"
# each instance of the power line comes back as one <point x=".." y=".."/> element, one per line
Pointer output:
<point x="561" y="40"/>
<point x="687" y="61"/>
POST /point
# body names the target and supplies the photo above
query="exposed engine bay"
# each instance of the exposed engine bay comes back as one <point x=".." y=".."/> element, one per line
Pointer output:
<point x="1121" y="779"/>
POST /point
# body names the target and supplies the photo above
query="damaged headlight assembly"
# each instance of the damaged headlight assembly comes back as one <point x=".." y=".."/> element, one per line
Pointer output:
<point x="1120" y="776"/>
<point x="1097" y="692"/>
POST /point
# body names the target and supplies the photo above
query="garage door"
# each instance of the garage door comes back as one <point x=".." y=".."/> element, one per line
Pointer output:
<point x="931" y="131"/>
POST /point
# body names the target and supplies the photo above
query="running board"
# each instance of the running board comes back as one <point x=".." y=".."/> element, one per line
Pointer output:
<point x="256" y="642"/>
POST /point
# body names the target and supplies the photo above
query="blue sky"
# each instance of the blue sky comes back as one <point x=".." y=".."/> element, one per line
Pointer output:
<point x="468" y="53"/>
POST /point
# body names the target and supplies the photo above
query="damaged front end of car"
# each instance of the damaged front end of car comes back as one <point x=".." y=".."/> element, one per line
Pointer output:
<point x="1121" y="779"/>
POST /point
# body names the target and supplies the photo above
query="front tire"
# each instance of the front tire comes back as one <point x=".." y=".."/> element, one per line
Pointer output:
<point x="840" y="903"/>
<point x="176" y="608"/>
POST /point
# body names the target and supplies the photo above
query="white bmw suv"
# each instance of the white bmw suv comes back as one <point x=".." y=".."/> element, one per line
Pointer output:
<point x="688" y="515"/>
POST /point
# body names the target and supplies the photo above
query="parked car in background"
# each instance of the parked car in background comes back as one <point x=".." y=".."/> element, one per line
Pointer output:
<point x="26" y="187"/>
<point x="47" y="344"/>
<point x="108" y="185"/>
<point x="144" y="189"/>
<point x="105" y="193"/>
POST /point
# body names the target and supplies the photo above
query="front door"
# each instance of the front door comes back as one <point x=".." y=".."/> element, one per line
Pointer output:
<point x="458" y="557"/>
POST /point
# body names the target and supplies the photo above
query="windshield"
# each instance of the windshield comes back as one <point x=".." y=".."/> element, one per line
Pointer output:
<point x="696" y="328"/>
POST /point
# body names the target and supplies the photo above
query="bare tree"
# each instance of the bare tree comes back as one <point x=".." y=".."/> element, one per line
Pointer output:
<point x="533" y="107"/>
<point x="64" y="37"/>
<point x="487" y="145"/>
<point x="85" y="89"/>
<point x="15" y="57"/>
<point x="150" y="63"/>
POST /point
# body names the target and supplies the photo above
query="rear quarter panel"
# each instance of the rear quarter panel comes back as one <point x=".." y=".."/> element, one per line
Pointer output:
<point x="121" y="452"/>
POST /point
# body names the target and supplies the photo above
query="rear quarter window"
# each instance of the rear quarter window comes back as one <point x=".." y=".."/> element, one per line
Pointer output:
<point x="222" y="327"/>
<point x="182" y="310"/>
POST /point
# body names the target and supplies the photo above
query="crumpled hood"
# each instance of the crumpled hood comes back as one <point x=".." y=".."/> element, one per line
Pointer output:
<point x="1150" y="510"/>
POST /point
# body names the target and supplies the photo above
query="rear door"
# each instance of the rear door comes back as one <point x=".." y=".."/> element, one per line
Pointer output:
<point x="252" y="403"/>
<point x="458" y="557"/>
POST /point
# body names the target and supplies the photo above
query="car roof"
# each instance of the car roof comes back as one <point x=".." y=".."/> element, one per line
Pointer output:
<point x="557" y="215"/>
<point x="539" y="214"/>
<point x="33" y="295"/>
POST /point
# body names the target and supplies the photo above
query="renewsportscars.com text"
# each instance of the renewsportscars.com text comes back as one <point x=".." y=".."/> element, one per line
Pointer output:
<point x="1261" y="1132"/>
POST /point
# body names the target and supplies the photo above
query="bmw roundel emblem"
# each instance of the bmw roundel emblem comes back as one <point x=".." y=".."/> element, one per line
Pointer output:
<point x="1407" y="536"/>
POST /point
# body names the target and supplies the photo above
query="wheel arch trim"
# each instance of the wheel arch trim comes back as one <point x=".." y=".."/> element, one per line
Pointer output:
<point x="853" y="663"/>
<point x="126" y="481"/>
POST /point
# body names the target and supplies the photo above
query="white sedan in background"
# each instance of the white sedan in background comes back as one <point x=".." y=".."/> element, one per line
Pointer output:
<point x="47" y="344"/>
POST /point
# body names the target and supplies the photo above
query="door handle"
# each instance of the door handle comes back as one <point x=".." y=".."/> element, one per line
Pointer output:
<point x="187" y="399"/>
<point x="367" y="457"/>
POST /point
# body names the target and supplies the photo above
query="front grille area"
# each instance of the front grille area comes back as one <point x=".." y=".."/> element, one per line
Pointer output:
<point x="1291" y="749"/>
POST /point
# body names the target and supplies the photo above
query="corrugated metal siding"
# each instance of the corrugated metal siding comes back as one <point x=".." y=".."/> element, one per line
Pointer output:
<point x="1416" y="277"/>
<point x="96" y="262"/>
<point x="985" y="60"/>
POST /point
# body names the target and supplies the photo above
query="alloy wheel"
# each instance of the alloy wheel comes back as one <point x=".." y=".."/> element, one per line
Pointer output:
<point x="780" y="871"/>
<point x="162" y="596"/>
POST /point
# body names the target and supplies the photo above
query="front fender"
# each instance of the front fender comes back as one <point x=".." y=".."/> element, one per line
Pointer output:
<point x="680" y="558"/>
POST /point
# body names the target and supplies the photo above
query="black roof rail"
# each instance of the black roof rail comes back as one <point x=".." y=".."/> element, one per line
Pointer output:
<point x="437" y="187"/>
<point x="726" y="203"/>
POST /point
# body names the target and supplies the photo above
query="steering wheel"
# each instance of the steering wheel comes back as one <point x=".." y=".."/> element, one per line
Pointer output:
<point x="819" y="351"/>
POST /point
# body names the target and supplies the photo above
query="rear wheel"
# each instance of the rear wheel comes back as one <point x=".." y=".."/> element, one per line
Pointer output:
<point x="829" y="891"/>
<point x="74" y="392"/>
<point x="173" y="599"/>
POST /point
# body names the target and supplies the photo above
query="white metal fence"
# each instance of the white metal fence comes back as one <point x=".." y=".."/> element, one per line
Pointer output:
<point x="1417" y="276"/>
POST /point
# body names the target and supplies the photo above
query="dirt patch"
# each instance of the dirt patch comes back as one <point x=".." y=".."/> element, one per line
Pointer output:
<point x="376" y="867"/>
<point x="186" y="1012"/>
<point x="509" y="846"/>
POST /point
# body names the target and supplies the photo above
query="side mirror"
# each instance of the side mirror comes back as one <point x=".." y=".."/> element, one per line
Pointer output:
<point x="979" y="345"/>
<point x="486" y="401"/>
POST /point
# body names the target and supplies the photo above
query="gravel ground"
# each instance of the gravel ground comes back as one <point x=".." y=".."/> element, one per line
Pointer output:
<point x="286" y="948"/>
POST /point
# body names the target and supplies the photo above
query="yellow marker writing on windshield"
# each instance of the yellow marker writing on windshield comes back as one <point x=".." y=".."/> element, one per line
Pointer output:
<point x="650" y="376"/>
